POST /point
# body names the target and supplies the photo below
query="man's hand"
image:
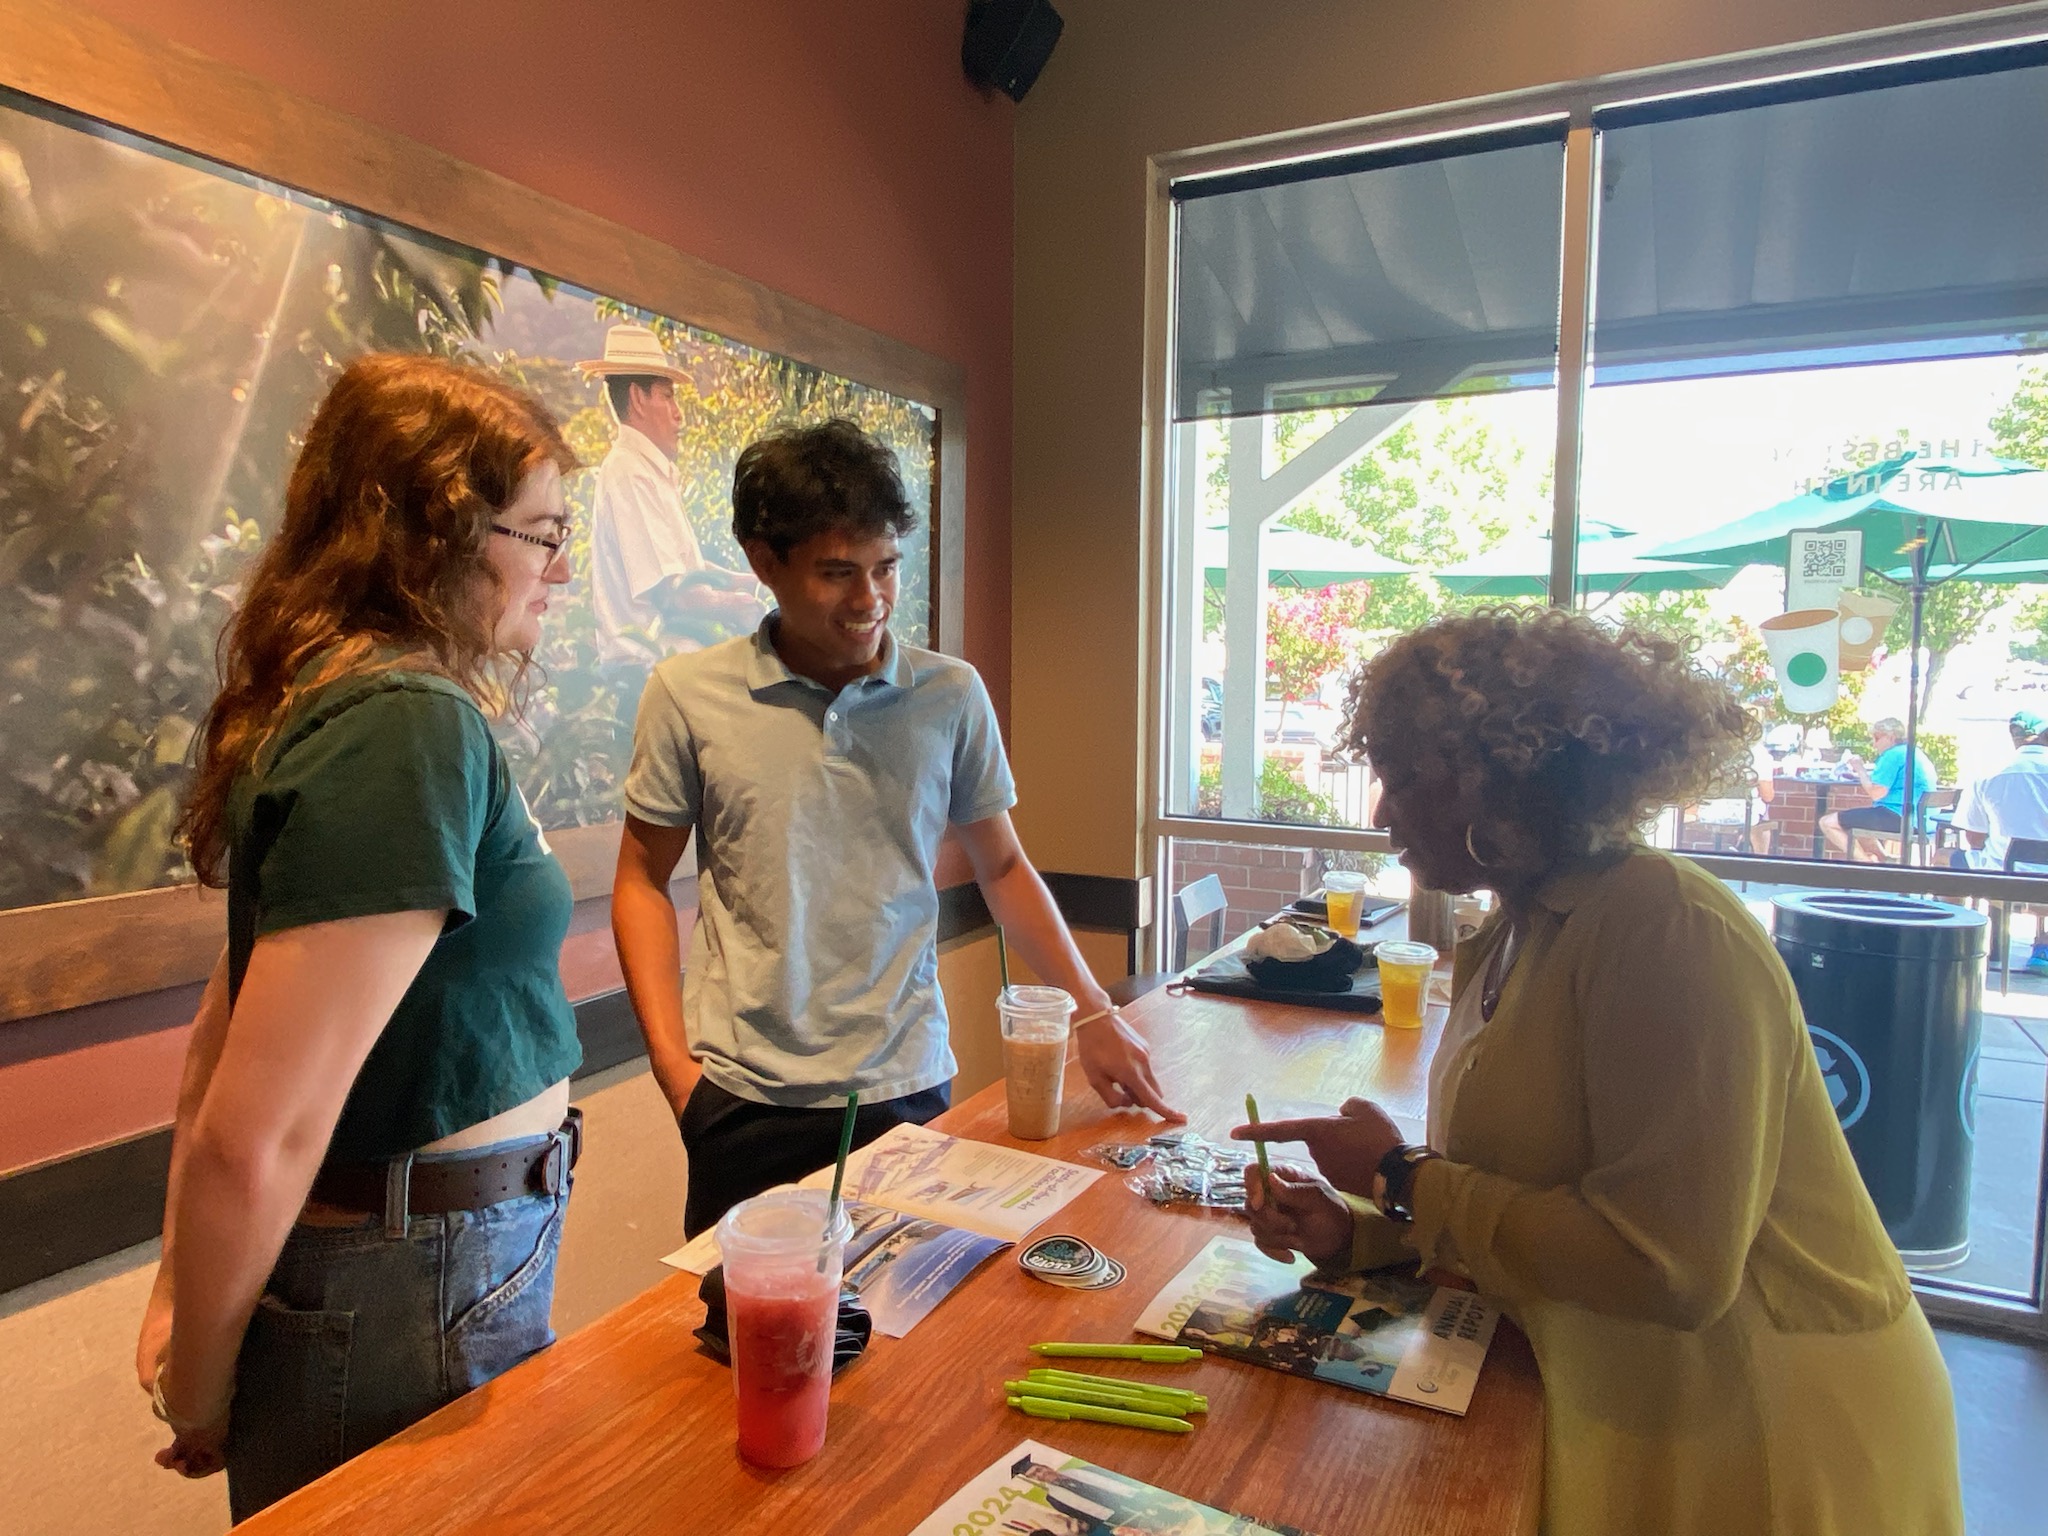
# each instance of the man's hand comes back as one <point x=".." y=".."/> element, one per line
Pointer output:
<point x="1292" y="1212"/>
<point x="197" y="1452"/>
<point x="1119" y="1067"/>
<point x="1347" y="1146"/>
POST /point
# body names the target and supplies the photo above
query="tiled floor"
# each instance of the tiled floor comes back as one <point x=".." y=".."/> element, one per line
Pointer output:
<point x="2001" y="1391"/>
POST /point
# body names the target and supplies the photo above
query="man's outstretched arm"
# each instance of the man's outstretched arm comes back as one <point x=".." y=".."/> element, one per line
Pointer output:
<point x="1118" y="1065"/>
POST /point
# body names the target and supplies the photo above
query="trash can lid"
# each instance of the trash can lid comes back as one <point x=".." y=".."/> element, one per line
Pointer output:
<point x="1879" y="923"/>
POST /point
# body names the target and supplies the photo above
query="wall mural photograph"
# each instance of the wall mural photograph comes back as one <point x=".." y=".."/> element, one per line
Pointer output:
<point x="167" y="327"/>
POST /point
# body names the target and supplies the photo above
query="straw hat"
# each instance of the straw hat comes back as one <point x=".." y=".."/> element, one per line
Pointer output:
<point x="635" y="350"/>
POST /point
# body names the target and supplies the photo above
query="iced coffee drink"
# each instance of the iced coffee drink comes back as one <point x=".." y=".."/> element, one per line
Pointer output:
<point x="1035" y="1026"/>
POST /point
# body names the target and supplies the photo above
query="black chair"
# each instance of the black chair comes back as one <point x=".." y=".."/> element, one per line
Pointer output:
<point x="1203" y="898"/>
<point x="2021" y="850"/>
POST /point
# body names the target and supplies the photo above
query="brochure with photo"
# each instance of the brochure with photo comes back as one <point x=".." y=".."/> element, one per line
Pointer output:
<point x="1385" y="1333"/>
<point x="1035" y="1490"/>
<point x="927" y="1209"/>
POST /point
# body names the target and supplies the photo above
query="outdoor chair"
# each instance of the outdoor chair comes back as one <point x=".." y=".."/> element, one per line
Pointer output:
<point x="1199" y="899"/>
<point x="2022" y="850"/>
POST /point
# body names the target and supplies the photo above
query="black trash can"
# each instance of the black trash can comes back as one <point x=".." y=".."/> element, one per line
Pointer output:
<point x="1893" y="989"/>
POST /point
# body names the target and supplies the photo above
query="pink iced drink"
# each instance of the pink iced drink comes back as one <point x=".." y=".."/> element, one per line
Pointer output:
<point x="782" y="1364"/>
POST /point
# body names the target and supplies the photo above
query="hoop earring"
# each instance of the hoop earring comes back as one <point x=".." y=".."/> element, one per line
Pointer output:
<point x="1474" y="852"/>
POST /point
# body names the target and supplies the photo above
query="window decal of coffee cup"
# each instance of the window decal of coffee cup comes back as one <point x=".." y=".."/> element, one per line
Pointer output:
<point x="1863" y="625"/>
<point x="1805" y="647"/>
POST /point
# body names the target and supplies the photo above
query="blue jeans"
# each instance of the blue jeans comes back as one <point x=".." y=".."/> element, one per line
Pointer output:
<point x="360" y="1333"/>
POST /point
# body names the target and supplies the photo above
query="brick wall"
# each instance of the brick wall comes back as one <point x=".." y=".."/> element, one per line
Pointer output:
<point x="1258" y="880"/>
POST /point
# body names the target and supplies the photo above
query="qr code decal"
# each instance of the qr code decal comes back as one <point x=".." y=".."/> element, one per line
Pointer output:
<point x="1824" y="560"/>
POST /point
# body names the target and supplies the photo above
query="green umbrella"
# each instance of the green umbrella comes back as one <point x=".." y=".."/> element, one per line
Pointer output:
<point x="1942" y="517"/>
<point x="1297" y="559"/>
<point x="1520" y="567"/>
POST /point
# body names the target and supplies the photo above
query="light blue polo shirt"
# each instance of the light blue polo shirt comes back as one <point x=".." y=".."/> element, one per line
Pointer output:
<point x="814" y="964"/>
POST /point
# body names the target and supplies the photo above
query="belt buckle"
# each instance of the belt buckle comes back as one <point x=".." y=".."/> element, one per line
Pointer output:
<point x="553" y="1165"/>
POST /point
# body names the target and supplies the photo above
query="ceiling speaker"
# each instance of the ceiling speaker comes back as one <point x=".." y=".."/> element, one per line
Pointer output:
<point x="1008" y="42"/>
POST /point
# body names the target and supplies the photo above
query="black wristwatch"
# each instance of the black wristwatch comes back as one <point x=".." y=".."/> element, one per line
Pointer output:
<point x="1393" y="1186"/>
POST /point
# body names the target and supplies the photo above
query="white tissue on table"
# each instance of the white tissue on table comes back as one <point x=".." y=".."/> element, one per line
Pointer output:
<point x="1284" y="941"/>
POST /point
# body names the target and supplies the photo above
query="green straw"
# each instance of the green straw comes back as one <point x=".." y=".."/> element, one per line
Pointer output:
<point x="1003" y="958"/>
<point x="838" y="1176"/>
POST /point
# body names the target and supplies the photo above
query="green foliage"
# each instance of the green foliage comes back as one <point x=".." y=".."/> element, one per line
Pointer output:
<point x="2020" y="429"/>
<point x="1309" y="635"/>
<point x="2030" y="630"/>
<point x="1940" y="747"/>
<point x="1283" y="795"/>
<point x="165" y="334"/>
<point x="1685" y="616"/>
<point x="1440" y="488"/>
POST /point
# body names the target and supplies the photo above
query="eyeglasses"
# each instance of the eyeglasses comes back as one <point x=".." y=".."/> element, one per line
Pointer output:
<point x="552" y="546"/>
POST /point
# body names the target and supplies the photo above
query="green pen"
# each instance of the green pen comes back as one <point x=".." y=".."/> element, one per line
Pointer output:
<point x="1151" y="1354"/>
<point x="1251" y="1110"/>
<point x="1101" y="1397"/>
<point x="1044" y="1408"/>
<point x="1120" y="1384"/>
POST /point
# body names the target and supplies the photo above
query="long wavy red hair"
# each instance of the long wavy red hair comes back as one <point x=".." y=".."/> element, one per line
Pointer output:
<point x="380" y="561"/>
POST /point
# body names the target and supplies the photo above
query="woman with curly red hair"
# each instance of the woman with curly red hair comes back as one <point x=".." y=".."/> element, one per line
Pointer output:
<point x="371" y="1157"/>
<point x="1629" y="1142"/>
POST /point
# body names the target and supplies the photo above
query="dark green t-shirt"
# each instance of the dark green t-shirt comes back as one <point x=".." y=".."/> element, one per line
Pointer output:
<point x="387" y="793"/>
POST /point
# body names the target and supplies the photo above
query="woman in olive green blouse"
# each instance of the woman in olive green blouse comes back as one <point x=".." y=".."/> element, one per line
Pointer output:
<point x="1630" y="1145"/>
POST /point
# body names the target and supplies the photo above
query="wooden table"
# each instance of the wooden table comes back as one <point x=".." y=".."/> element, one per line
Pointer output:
<point x="627" y="1426"/>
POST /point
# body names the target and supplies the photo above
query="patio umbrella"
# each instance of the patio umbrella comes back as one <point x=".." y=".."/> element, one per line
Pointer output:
<point x="1298" y="559"/>
<point x="1946" y="519"/>
<point x="1519" y="566"/>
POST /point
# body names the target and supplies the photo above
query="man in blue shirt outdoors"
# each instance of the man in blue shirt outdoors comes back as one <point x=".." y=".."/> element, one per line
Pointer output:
<point x="819" y="764"/>
<point x="1885" y="782"/>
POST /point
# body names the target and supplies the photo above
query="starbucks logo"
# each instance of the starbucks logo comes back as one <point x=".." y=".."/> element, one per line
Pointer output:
<point x="1843" y="1074"/>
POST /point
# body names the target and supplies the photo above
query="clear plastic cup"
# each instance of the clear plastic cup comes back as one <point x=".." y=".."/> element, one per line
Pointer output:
<point x="1404" y="981"/>
<point x="1344" y="895"/>
<point x="782" y="1274"/>
<point x="1036" y="1022"/>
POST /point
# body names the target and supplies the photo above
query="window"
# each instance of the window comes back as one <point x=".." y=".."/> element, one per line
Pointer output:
<point x="1804" y="421"/>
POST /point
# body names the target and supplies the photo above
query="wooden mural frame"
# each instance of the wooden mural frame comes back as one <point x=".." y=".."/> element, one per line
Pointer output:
<point x="73" y="953"/>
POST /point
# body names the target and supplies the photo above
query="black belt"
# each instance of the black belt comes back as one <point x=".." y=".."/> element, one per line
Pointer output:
<point x="437" y="1185"/>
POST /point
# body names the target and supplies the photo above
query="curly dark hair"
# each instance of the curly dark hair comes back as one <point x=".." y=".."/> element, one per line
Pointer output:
<point x="1571" y="735"/>
<point x="832" y="477"/>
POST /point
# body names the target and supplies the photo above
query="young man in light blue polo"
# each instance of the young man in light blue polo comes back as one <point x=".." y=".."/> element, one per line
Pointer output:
<point x="819" y="764"/>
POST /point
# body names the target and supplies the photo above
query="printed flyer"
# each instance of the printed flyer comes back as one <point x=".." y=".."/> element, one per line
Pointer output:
<point x="1038" y="1491"/>
<point x="1384" y="1333"/>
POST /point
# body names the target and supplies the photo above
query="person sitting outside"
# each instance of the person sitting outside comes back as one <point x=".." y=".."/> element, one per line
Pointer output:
<point x="2010" y="803"/>
<point x="1853" y="832"/>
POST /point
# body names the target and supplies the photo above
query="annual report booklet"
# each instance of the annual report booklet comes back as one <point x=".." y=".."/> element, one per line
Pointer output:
<point x="1038" y="1491"/>
<point x="1382" y="1332"/>
<point x="926" y="1210"/>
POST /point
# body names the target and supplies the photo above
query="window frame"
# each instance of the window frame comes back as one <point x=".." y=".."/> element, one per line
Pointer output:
<point x="1167" y="570"/>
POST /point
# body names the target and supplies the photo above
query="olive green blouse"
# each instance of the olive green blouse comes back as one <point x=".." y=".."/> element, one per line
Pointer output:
<point x="1644" y="1168"/>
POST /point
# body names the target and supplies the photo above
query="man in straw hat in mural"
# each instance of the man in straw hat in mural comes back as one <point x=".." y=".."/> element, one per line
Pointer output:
<point x="650" y="583"/>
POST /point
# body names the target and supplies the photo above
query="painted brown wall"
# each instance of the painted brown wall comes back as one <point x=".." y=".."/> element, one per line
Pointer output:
<point x="832" y="152"/>
<point x="1136" y="78"/>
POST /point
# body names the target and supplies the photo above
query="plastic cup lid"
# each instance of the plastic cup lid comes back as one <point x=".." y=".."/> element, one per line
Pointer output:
<point x="1404" y="952"/>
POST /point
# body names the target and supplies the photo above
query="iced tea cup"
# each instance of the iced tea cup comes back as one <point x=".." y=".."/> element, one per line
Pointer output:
<point x="1404" y="981"/>
<point x="1344" y="895"/>
<point x="782" y="1271"/>
<point x="1036" y="1022"/>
